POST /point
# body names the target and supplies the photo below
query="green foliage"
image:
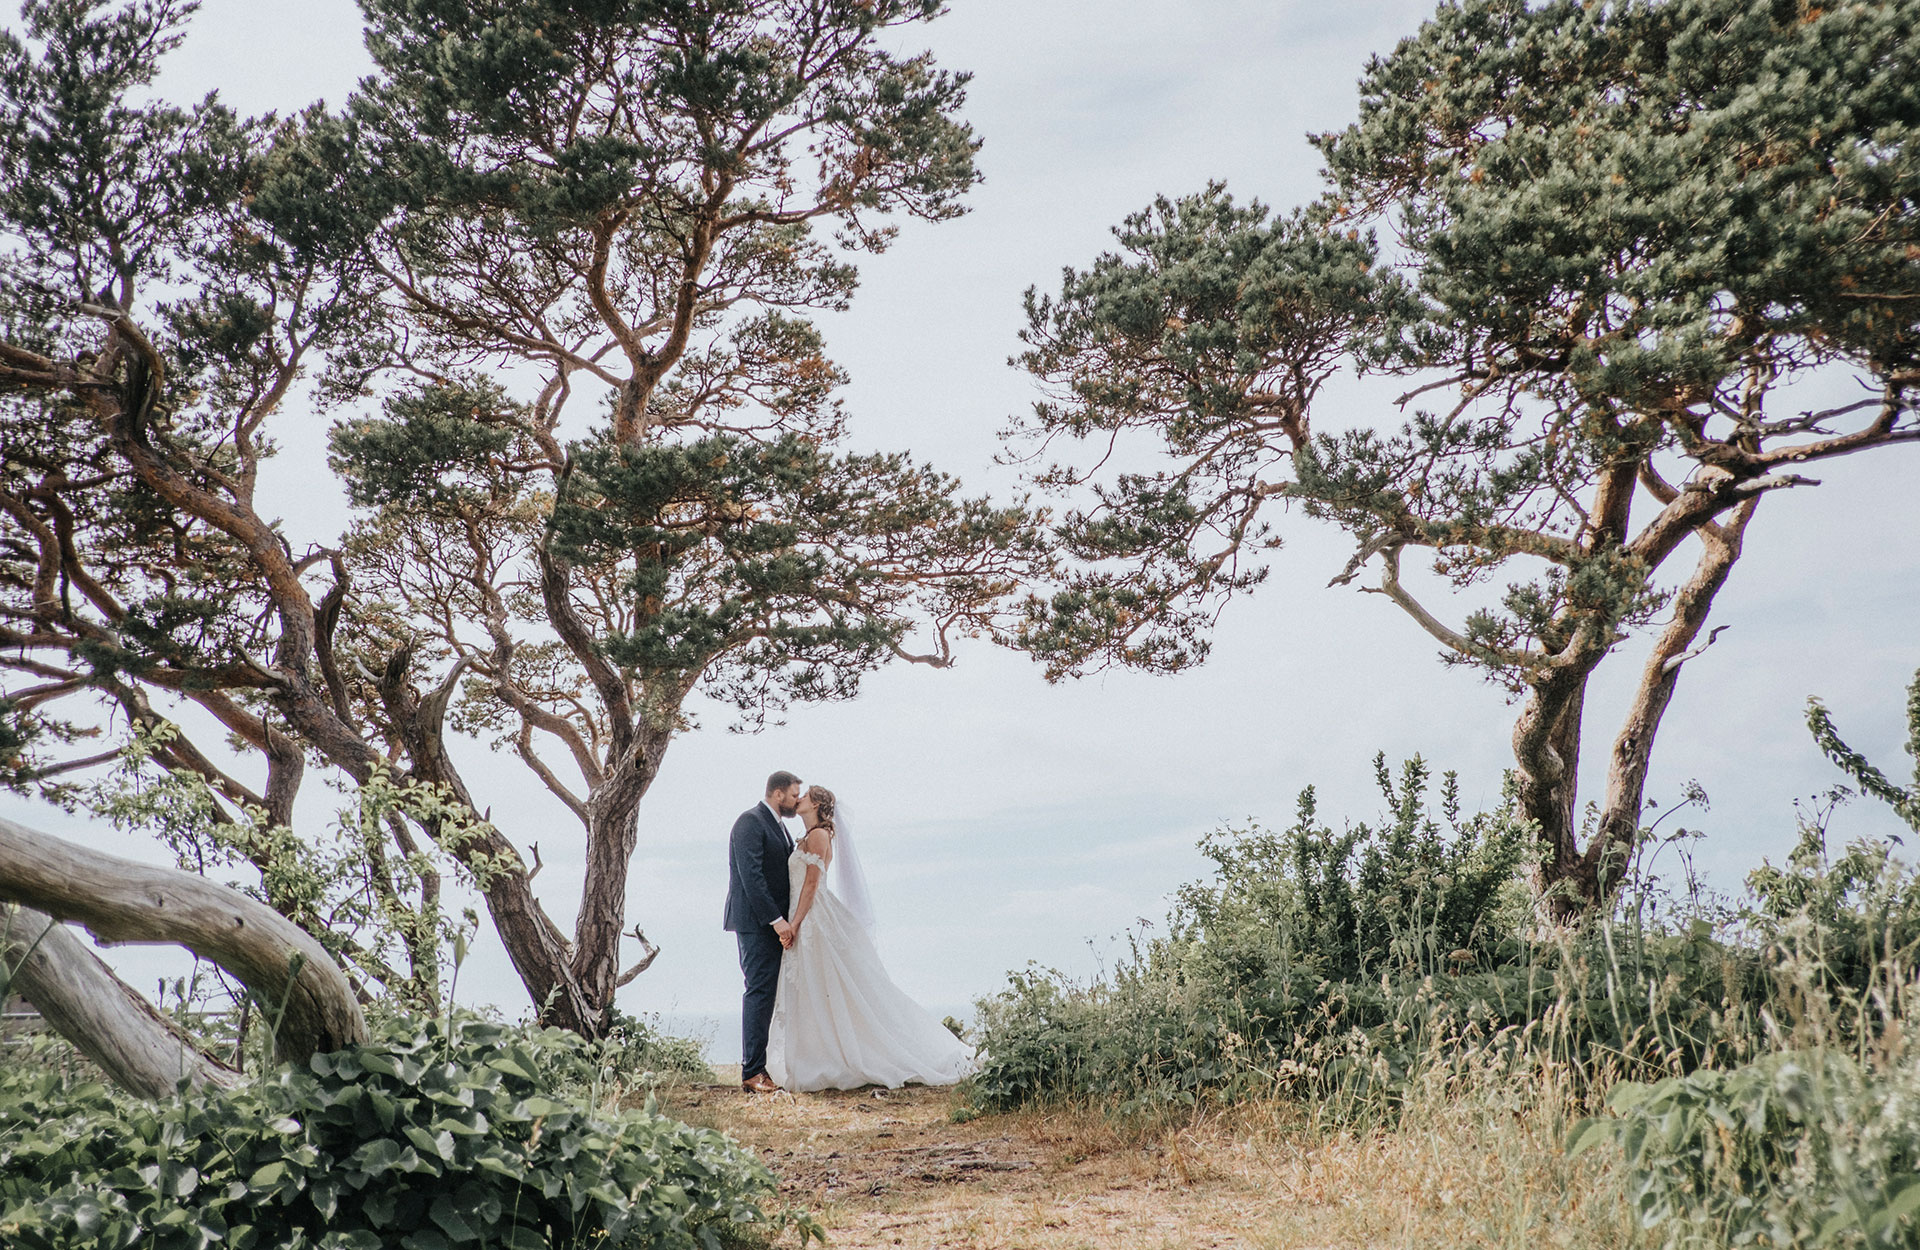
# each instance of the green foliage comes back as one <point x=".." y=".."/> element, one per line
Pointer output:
<point x="1337" y="966"/>
<point x="1315" y="956"/>
<point x="1904" y="800"/>
<point x="69" y="130"/>
<point x="1756" y="1061"/>
<point x="623" y="202"/>
<point x="1214" y="328"/>
<point x="376" y="911"/>
<point x="636" y="1051"/>
<point x="1403" y="899"/>
<point x="1610" y="215"/>
<point x="1624" y="231"/>
<point x="715" y="534"/>
<point x="494" y="79"/>
<point x="1656" y="170"/>
<point x="1851" y="918"/>
<point x="429" y="1138"/>
<point x="1817" y="1141"/>
<point x="24" y="734"/>
<point x="1801" y="1148"/>
<point x="115" y="204"/>
<point x="776" y="569"/>
<point x="17" y="733"/>
<point x="422" y="454"/>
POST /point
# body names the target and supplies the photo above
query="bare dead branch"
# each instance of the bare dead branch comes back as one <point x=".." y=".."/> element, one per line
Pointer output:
<point x="646" y="960"/>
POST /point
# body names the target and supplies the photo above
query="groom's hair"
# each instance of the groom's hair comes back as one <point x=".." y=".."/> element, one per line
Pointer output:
<point x="782" y="780"/>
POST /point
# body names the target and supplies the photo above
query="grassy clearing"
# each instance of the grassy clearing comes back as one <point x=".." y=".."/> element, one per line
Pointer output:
<point x="1747" y="1066"/>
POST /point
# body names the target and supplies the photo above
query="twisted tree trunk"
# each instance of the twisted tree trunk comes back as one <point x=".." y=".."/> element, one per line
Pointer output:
<point x="106" y="1019"/>
<point x="614" y="811"/>
<point x="1579" y="879"/>
<point x="1632" y="757"/>
<point x="120" y="901"/>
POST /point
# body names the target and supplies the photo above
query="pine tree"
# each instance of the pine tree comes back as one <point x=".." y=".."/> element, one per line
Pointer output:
<point x="1622" y="232"/>
<point x="528" y="209"/>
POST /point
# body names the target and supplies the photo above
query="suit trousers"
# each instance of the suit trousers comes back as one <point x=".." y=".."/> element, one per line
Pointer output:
<point x="760" y="953"/>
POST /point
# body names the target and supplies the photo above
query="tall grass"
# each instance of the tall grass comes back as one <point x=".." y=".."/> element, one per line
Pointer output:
<point x="1746" y="1059"/>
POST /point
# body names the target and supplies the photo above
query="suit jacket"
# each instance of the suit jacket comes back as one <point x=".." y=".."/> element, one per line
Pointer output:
<point x="757" y="881"/>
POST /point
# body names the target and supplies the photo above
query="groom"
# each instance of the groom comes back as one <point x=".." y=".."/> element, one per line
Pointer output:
<point x="757" y="893"/>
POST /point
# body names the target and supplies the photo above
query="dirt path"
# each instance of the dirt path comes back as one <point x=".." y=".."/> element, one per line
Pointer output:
<point x="892" y="1168"/>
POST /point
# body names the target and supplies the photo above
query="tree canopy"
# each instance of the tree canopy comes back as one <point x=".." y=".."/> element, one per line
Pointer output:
<point x="1620" y="234"/>
<point x="552" y="266"/>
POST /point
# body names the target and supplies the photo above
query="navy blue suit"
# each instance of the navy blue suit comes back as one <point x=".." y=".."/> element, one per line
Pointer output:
<point x="757" y="891"/>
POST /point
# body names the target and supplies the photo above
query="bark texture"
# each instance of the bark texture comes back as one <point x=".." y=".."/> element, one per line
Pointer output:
<point x="106" y="1019"/>
<point x="119" y="901"/>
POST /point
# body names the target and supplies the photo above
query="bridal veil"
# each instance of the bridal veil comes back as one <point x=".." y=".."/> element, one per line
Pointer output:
<point x="849" y="879"/>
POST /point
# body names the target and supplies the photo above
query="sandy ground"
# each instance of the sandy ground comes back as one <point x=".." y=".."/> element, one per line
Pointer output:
<point x="893" y="1168"/>
<point x="884" y="1168"/>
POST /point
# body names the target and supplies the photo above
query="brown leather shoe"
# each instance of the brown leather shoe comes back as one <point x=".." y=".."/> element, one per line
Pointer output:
<point x="759" y="1083"/>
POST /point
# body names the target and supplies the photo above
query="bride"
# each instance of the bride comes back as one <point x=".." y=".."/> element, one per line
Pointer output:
<point x="839" y="1022"/>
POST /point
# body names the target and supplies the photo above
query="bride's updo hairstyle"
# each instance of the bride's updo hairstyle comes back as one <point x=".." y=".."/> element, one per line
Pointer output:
<point x="822" y="799"/>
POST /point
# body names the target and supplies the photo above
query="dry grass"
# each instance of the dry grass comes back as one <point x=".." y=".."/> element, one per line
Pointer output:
<point x="886" y="1169"/>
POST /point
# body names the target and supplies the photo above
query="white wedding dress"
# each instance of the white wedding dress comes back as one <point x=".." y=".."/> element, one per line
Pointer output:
<point x="839" y="1022"/>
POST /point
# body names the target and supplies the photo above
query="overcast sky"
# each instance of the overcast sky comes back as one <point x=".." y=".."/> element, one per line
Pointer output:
<point x="1004" y="820"/>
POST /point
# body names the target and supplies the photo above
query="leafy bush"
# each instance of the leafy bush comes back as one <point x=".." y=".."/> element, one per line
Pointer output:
<point x="1801" y="1148"/>
<point x="428" y="1139"/>
<point x="1817" y="1143"/>
<point x="1310" y="954"/>
<point x="1404" y="898"/>
<point x="639" y="1052"/>
<point x="1336" y="965"/>
<point x="376" y="911"/>
<point x="1762" y="1085"/>
<point x="1760" y="1054"/>
<point x="1847" y="919"/>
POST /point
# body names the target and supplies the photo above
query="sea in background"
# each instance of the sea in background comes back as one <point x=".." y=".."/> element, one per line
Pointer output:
<point x="719" y="1035"/>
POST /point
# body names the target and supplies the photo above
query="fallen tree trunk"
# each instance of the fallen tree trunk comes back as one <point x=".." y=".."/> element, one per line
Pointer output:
<point x="120" y="902"/>
<point x="106" y="1019"/>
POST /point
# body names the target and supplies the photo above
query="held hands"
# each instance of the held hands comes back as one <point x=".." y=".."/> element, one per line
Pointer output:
<point x="786" y="933"/>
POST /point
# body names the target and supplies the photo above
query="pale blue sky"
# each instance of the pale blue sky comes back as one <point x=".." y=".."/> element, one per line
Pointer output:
<point x="1004" y="820"/>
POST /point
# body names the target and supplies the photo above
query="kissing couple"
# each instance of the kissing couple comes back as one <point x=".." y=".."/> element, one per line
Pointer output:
<point x="819" y="1011"/>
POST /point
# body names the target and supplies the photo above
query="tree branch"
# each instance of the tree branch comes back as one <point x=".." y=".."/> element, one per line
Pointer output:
<point x="106" y="1019"/>
<point x="646" y="960"/>
<point x="121" y="901"/>
<point x="1452" y="640"/>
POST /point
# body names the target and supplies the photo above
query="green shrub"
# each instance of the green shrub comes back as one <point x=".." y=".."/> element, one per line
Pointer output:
<point x="639" y="1052"/>
<point x="1763" y="1087"/>
<point x="1817" y="1143"/>
<point x="1850" y="917"/>
<point x="1800" y="1148"/>
<point x="1334" y="964"/>
<point x="1309" y="952"/>
<point x="1403" y="898"/>
<point x="428" y="1139"/>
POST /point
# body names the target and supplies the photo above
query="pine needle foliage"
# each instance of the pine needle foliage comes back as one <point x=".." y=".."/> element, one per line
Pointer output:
<point x="552" y="271"/>
<point x="1619" y="233"/>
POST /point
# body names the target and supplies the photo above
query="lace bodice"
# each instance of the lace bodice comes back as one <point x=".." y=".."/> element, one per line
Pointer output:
<point x="808" y="857"/>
